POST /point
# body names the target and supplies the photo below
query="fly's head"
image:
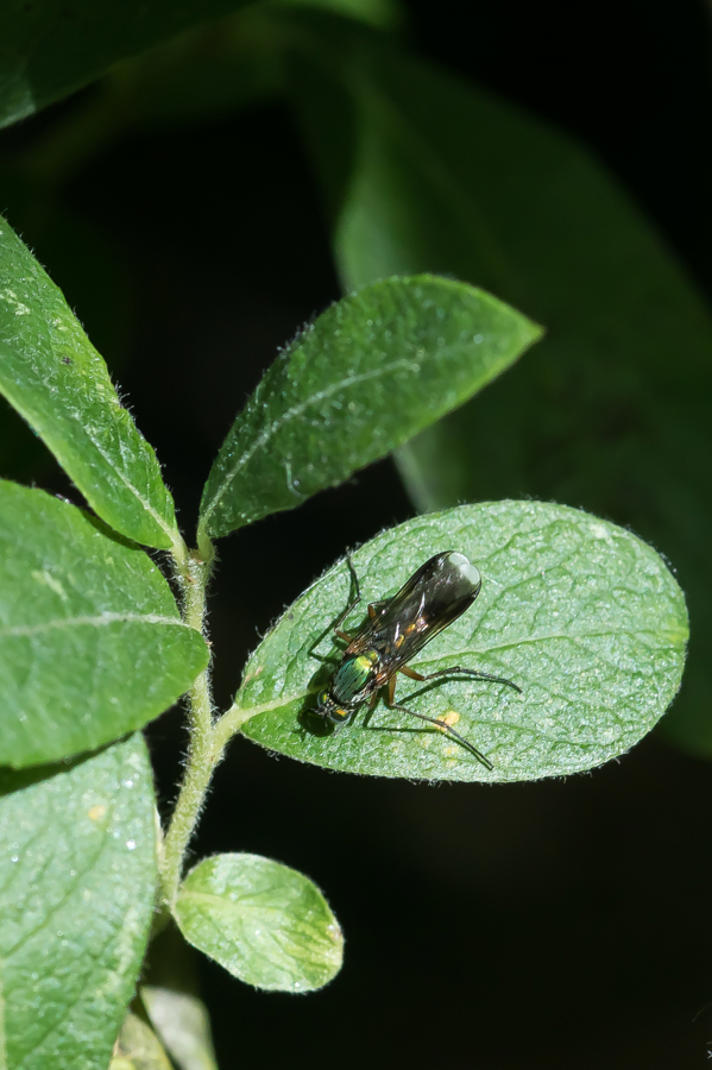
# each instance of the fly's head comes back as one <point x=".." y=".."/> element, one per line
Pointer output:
<point x="330" y="710"/>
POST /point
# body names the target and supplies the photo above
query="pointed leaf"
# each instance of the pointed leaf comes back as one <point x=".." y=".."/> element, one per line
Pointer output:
<point x="579" y="613"/>
<point x="264" y="922"/>
<point x="373" y="370"/>
<point x="53" y="376"/>
<point x="91" y="641"/>
<point x="77" y="888"/>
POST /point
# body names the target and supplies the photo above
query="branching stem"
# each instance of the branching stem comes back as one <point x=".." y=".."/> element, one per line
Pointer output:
<point x="208" y="738"/>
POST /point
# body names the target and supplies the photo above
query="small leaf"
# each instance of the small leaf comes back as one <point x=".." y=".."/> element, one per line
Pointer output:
<point x="138" y="1048"/>
<point x="581" y="614"/>
<point x="53" y="376"/>
<point x="77" y="888"/>
<point x="92" y="644"/>
<point x="264" y="922"/>
<point x="181" y="1020"/>
<point x="373" y="370"/>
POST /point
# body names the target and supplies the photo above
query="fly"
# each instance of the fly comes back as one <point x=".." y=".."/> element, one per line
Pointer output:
<point x="397" y="628"/>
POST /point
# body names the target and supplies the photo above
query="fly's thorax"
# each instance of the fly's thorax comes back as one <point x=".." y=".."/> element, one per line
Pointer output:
<point x="353" y="679"/>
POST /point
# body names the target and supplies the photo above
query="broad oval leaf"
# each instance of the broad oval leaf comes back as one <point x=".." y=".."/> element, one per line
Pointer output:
<point x="264" y="922"/>
<point x="77" y="892"/>
<point x="372" y="371"/>
<point x="579" y="613"/>
<point x="51" y="373"/>
<point x="91" y="642"/>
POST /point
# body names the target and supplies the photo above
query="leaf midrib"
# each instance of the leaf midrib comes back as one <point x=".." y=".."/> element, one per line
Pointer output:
<point x="93" y="622"/>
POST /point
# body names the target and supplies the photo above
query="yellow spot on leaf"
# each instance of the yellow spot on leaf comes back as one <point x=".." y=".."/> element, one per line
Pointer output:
<point x="96" y="812"/>
<point x="450" y="718"/>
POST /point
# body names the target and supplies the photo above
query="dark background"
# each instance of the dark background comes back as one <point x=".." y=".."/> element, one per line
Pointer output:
<point x="558" y="924"/>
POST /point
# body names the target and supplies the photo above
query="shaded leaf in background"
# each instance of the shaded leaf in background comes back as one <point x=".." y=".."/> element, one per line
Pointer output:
<point x="424" y="172"/>
<point x="138" y="1048"/>
<point x="373" y="370"/>
<point x="49" y="50"/>
<point x="169" y="995"/>
<point x="92" y="644"/>
<point x="582" y="615"/>
<point x="264" y="922"/>
<point x="53" y="376"/>
<point x="77" y="888"/>
<point x="182" y="1022"/>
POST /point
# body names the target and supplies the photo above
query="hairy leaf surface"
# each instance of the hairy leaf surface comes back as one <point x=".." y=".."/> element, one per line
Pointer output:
<point x="579" y="613"/>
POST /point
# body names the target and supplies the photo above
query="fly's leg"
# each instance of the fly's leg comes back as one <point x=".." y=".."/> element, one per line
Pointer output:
<point x="442" y="725"/>
<point x="457" y="670"/>
<point x="352" y="603"/>
<point x="375" y="609"/>
<point x="373" y="702"/>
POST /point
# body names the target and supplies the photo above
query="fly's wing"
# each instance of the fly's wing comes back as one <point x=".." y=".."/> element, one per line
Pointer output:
<point x="433" y="597"/>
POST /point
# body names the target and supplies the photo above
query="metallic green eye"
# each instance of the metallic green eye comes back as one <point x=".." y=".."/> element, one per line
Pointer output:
<point x="322" y="702"/>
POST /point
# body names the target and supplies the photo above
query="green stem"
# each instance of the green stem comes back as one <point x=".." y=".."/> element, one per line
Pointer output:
<point x="203" y="757"/>
<point x="204" y="751"/>
<point x="229" y="724"/>
<point x="208" y="738"/>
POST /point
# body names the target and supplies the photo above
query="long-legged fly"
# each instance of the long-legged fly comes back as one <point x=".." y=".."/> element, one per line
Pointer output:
<point x="397" y="628"/>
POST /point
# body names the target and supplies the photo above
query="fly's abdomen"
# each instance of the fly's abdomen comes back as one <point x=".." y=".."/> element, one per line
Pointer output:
<point x="352" y="678"/>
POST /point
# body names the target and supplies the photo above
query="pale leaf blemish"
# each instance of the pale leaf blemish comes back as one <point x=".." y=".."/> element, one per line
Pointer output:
<point x="599" y="531"/>
<point x="95" y="813"/>
<point x="253" y="675"/>
<point x="43" y="576"/>
<point x="11" y="298"/>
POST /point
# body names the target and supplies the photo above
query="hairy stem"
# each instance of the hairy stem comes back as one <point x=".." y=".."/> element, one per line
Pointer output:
<point x="203" y="758"/>
<point x="205" y="749"/>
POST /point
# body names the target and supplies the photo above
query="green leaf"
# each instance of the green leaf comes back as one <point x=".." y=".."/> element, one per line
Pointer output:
<point x="581" y="614"/>
<point x="138" y="1047"/>
<point x="92" y="644"/>
<point x="385" y="14"/>
<point x="373" y="370"/>
<point x="182" y="1022"/>
<point x="77" y="888"/>
<point x="264" y="922"/>
<point x="53" y="376"/>
<point x="216" y="69"/>
<point x="48" y="50"/>
<point x="438" y="175"/>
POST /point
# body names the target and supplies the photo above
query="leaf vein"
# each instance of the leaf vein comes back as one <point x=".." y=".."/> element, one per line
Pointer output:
<point x="292" y="413"/>
<point x="21" y="630"/>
